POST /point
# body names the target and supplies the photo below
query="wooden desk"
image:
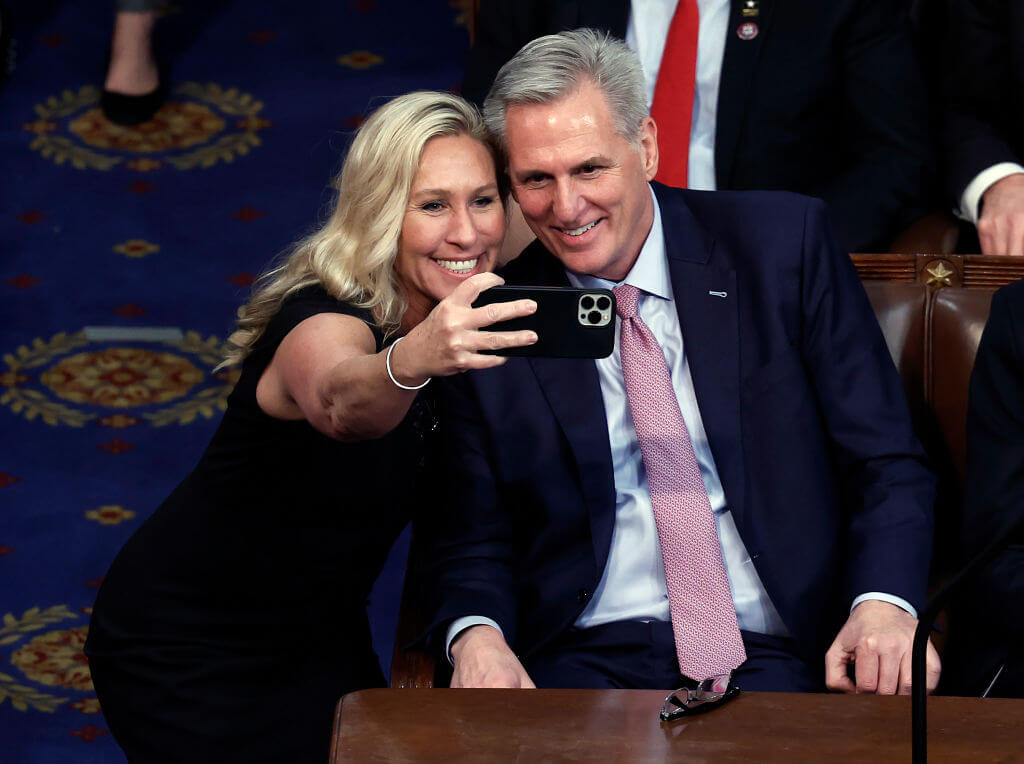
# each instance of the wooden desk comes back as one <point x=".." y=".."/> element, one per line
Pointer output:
<point x="622" y="725"/>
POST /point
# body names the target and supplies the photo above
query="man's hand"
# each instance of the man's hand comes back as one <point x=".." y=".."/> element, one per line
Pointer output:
<point x="1001" y="225"/>
<point x="877" y="639"/>
<point x="483" y="659"/>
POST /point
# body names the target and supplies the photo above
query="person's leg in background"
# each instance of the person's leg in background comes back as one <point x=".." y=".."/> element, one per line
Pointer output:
<point x="7" y="55"/>
<point x="132" y="91"/>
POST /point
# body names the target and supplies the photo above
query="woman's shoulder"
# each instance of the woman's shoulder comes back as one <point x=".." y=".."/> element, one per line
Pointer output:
<point x="311" y="301"/>
<point x="314" y="299"/>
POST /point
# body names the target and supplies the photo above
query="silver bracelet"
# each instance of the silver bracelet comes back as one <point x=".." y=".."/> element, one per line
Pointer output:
<point x="387" y="364"/>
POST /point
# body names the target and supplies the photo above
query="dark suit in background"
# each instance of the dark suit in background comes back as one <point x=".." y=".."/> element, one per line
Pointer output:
<point x="827" y="100"/>
<point x="987" y="629"/>
<point x="802" y="407"/>
<point x="985" y="119"/>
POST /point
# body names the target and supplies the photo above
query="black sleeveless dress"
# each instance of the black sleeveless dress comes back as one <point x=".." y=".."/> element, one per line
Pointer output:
<point x="234" y="619"/>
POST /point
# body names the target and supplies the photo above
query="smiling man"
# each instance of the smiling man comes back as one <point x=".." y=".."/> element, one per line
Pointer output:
<point x="581" y="185"/>
<point x="736" y="488"/>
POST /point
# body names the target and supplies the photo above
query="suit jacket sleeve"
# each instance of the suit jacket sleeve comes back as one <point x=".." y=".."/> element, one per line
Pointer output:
<point x="884" y="124"/>
<point x="468" y="541"/>
<point x="979" y="93"/>
<point x="504" y="26"/>
<point x="497" y="32"/>
<point x="886" y="489"/>
<point x="995" y="457"/>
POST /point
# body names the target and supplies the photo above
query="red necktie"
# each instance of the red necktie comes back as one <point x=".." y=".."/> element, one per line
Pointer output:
<point x="672" y="109"/>
<point x="708" y="640"/>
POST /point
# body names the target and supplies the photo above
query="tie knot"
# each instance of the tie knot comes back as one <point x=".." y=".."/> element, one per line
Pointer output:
<point x="626" y="298"/>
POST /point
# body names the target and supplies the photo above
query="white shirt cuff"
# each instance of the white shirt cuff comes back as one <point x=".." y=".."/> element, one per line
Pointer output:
<point x="459" y="625"/>
<point x="971" y="196"/>
<point x="891" y="599"/>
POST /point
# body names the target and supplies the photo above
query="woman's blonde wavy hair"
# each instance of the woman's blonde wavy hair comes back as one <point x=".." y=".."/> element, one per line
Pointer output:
<point x="353" y="254"/>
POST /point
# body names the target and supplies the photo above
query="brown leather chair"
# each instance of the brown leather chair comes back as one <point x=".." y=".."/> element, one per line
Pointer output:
<point x="937" y="233"/>
<point x="932" y="310"/>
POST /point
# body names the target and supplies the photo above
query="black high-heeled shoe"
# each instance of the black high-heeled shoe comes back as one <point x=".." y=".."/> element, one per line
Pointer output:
<point x="131" y="110"/>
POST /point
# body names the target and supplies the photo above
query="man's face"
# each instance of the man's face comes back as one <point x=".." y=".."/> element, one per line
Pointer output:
<point x="582" y="186"/>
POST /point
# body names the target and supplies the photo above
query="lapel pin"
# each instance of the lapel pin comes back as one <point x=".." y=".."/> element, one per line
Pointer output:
<point x="719" y="294"/>
<point x="750" y="9"/>
<point x="747" y="31"/>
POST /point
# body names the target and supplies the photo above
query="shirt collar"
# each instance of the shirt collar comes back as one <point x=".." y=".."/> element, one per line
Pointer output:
<point x="650" y="271"/>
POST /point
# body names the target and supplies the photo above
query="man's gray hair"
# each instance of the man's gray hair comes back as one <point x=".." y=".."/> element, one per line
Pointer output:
<point x="551" y="67"/>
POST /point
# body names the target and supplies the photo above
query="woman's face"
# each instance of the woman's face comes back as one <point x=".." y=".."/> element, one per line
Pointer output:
<point x="454" y="221"/>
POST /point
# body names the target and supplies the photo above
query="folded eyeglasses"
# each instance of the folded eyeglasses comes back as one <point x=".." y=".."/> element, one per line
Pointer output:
<point x="711" y="693"/>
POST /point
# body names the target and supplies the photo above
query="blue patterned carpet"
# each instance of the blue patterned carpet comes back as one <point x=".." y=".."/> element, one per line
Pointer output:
<point x="123" y="255"/>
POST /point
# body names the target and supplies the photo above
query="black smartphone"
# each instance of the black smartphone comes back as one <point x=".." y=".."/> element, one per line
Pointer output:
<point x="570" y="322"/>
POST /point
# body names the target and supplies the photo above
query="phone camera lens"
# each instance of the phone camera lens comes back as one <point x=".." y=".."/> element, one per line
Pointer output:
<point x="603" y="303"/>
<point x="594" y="317"/>
<point x="587" y="302"/>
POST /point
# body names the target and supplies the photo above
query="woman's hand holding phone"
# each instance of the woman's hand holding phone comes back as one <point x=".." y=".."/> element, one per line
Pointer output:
<point x="449" y="339"/>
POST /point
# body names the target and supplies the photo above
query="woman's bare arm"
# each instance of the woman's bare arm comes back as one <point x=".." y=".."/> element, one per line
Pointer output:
<point x="327" y="372"/>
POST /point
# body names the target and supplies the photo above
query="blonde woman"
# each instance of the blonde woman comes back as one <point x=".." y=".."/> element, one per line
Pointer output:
<point x="233" y="620"/>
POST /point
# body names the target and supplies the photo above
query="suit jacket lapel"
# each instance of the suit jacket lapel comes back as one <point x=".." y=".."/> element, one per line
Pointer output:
<point x="710" y="327"/>
<point x="738" y="70"/>
<point x="573" y="390"/>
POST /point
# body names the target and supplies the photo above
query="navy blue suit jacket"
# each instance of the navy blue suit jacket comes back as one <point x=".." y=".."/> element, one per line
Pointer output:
<point x="802" y="406"/>
<point x="988" y="621"/>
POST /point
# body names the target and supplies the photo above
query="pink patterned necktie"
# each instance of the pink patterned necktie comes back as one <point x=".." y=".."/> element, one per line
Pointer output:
<point x="708" y="640"/>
